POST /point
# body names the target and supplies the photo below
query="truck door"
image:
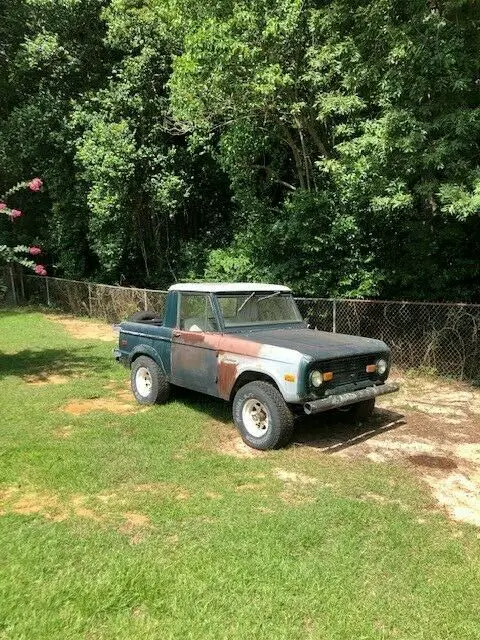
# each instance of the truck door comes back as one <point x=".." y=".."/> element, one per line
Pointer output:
<point x="195" y="343"/>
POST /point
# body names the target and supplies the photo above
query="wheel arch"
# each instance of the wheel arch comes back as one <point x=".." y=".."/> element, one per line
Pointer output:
<point x="146" y="350"/>
<point x="252" y="376"/>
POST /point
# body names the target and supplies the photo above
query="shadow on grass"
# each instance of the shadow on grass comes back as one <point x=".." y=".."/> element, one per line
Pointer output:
<point x="334" y="431"/>
<point x="330" y="432"/>
<point x="44" y="362"/>
<point x="215" y="408"/>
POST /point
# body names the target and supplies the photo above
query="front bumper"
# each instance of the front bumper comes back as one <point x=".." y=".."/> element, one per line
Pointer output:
<point x="344" y="399"/>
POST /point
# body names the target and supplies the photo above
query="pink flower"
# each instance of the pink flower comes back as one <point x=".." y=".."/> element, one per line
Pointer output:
<point x="40" y="270"/>
<point x="34" y="251"/>
<point x="35" y="185"/>
<point x="2" y="206"/>
<point x="15" y="213"/>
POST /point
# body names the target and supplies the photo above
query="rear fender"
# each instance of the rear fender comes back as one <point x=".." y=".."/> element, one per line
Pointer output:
<point x="145" y="350"/>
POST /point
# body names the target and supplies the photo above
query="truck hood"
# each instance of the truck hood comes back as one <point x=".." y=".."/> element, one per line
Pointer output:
<point x="318" y="345"/>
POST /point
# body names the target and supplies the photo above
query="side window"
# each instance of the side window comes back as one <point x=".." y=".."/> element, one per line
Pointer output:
<point x="196" y="313"/>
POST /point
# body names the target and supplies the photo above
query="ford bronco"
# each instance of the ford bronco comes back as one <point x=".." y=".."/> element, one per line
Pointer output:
<point x="248" y="344"/>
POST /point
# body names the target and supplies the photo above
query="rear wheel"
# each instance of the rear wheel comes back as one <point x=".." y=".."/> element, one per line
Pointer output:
<point x="262" y="416"/>
<point x="149" y="384"/>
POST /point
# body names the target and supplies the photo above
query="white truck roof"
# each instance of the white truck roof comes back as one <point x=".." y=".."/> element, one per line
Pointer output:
<point x="227" y="287"/>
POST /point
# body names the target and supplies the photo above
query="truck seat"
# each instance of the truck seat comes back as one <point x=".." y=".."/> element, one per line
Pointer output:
<point x="197" y="324"/>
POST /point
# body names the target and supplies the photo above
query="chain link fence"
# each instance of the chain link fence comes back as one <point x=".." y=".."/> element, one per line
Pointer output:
<point x="442" y="338"/>
<point x="107" y="302"/>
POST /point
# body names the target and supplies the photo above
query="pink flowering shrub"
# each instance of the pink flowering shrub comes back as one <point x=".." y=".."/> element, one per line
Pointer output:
<point x="35" y="185"/>
<point x="19" y="253"/>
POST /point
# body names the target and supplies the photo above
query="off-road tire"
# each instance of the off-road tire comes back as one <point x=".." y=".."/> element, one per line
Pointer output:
<point x="160" y="387"/>
<point x="280" y="418"/>
<point x="363" y="410"/>
<point x="142" y="316"/>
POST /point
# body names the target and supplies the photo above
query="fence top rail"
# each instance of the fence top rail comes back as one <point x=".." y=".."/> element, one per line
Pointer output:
<point x="302" y="298"/>
<point x="400" y="302"/>
<point x="95" y="284"/>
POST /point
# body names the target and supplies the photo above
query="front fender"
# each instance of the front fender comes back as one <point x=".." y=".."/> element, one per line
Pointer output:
<point x="274" y="370"/>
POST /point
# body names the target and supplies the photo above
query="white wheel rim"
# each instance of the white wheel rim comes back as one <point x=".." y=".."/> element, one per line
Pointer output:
<point x="255" y="418"/>
<point x="143" y="382"/>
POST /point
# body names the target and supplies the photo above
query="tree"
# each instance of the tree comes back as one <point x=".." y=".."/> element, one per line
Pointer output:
<point x="371" y="108"/>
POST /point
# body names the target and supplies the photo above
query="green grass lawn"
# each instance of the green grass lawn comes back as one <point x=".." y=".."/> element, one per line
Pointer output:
<point x="137" y="525"/>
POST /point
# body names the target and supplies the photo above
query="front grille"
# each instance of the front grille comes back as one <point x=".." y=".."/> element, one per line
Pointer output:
<point x="345" y="370"/>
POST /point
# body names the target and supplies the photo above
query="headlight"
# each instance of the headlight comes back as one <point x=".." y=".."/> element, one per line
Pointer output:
<point x="316" y="378"/>
<point x="382" y="366"/>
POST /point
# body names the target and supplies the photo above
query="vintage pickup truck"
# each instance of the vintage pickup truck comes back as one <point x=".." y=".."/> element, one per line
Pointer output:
<point x="248" y="344"/>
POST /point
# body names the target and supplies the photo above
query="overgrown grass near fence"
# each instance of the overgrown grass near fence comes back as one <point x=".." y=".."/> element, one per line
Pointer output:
<point x="440" y="337"/>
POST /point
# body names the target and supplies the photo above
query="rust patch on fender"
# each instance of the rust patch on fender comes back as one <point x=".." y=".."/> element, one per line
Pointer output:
<point x="227" y="367"/>
<point x="227" y="374"/>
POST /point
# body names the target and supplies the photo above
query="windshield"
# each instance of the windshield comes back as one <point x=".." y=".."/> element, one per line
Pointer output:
<point x="258" y="308"/>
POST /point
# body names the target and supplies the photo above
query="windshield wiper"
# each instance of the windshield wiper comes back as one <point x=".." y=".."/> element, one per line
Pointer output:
<point x="247" y="300"/>
<point x="271" y="295"/>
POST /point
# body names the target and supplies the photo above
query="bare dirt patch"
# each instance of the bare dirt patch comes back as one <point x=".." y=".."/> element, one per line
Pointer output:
<point x="375" y="497"/>
<point x="296" y="486"/>
<point x="249" y="486"/>
<point x="433" y="462"/>
<point x="58" y="509"/>
<point x="431" y="425"/>
<point x="224" y="438"/>
<point x="213" y="495"/>
<point x="84" y="329"/>
<point x="135" y="526"/>
<point x="81" y="407"/>
<point x="63" y="432"/>
<point x="121" y="403"/>
<point x="293" y="477"/>
<point x="43" y="378"/>
<point x="160" y="489"/>
<point x="459" y="494"/>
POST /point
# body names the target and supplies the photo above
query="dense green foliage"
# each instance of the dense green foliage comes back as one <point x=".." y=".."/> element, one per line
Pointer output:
<point x="332" y="146"/>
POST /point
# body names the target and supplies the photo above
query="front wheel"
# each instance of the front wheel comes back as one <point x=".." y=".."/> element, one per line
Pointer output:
<point x="262" y="416"/>
<point x="149" y="384"/>
<point x="363" y="410"/>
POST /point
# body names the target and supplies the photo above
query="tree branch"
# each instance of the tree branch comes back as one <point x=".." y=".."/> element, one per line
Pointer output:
<point x="271" y="173"/>
<point x="296" y="155"/>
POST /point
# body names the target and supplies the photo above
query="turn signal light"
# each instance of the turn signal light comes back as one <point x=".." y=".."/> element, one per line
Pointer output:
<point x="371" y="368"/>
<point x="327" y="376"/>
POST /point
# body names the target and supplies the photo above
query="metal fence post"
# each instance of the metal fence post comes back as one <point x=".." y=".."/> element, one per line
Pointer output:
<point x="89" y="299"/>
<point x="12" y="282"/>
<point x="48" y="291"/>
<point x="334" y="316"/>
<point x="22" y="285"/>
